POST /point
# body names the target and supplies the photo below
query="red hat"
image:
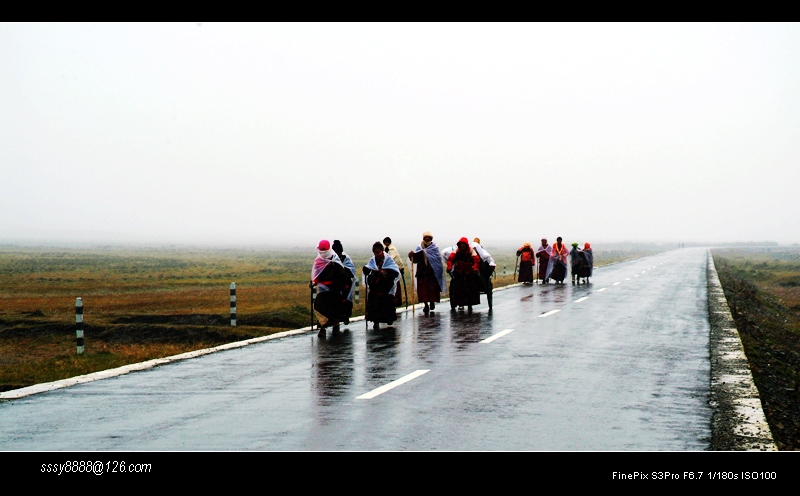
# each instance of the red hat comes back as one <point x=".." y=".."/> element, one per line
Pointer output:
<point x="324" y="245"/>
<point x="586" y="246"/>
<point x="463" y="240"/>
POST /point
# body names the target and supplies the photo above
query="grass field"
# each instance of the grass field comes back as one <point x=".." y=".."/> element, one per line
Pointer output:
<point x="762" y="287"/>
<point x="147" y="303"/>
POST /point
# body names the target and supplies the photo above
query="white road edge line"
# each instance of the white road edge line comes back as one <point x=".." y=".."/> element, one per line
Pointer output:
<point x="392" y="385"/>
<point x="497" y="336"/>
<point x="581" y="299"/>
<point x="551" y="312"/>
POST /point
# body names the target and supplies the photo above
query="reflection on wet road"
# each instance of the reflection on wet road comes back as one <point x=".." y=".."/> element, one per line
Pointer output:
<point x="618" y="364"/>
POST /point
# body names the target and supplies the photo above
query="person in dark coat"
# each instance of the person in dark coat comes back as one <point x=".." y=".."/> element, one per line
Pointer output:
<point x="332" y="280"/>
<point x="430" y="282"/>
<point x="543" y="254"/>
<point x="587" y="252"/>
<point x="577" y="263"/>
<point x="527" y="258"/>
<point x="382" y="274"/>
<point x="389" y="248"/>
<point x="349" y="290"/>
<point x="463" y="265"/>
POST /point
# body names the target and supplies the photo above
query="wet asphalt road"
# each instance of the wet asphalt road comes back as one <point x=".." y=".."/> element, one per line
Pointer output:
<point x="619" y="364"/>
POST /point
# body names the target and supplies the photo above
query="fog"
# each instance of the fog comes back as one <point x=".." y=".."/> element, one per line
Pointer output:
<point x="251" y="134"/>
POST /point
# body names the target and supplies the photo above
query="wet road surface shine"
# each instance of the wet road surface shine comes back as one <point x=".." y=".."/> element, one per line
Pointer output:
<point x="626" y="369"/>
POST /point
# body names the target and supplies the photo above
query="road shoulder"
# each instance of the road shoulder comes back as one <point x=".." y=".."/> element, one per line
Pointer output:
<point x="738" y="422"/>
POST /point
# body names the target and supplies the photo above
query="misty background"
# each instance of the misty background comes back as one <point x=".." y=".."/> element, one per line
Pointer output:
<point x="250" y="134"/>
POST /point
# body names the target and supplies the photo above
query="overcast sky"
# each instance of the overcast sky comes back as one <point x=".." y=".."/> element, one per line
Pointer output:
<point x="289" y="133"/>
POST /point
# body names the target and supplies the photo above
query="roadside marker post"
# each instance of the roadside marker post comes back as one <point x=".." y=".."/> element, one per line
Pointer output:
<point x="79" y="324"/>
<point x="313" y="300"/>
<point x="358" y="291"/>
<point x="233" y="304"/>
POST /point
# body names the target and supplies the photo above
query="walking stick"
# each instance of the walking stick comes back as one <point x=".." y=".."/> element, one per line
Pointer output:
<point x="366" y="301"/>
<point x="413" y="299"/>
<point x="405" y="289"/>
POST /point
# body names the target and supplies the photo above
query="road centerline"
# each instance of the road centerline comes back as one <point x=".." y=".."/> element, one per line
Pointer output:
<point x="581" y="299"/>
<point x="387" y="387"/>
<point x="551" y="312"/>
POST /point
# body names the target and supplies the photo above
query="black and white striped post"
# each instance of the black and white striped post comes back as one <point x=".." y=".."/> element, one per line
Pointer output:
<point x="358" y="291"/>
<point x="79" y="324"/>
<point x="233" y="304"/>
<point x="313" y="300"/>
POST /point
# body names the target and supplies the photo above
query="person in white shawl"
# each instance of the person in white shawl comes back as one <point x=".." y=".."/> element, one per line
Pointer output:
<point x="381" y="275"/>
<point x="429" y="272"/>
<point x="331" y="278"/>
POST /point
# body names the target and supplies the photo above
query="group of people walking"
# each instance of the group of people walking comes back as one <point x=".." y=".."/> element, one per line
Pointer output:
<point x="469" y="265"/>
<point x="554" y="262"/>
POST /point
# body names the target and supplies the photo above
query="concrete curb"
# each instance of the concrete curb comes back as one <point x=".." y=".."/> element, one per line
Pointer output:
<point x="738" y="422"/>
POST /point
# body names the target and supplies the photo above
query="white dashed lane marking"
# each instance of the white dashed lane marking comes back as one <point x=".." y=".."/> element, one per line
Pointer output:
<point x="581" y="299"/>
<point x="392" y="385"/>
<point x="551" y="312"/>
<point x="497" y="336"/>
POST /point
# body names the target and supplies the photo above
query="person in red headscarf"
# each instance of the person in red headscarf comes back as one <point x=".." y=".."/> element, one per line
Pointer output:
<point x="463" y="265"/>
<point x="331" y="279"/>
<point x="587" y="250"/>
